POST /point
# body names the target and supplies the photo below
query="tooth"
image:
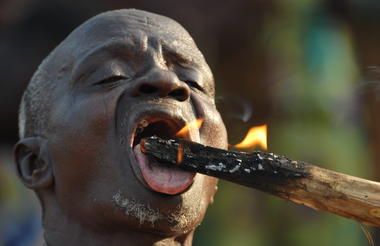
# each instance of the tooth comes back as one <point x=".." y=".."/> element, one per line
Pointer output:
<point x="143" y="123"/>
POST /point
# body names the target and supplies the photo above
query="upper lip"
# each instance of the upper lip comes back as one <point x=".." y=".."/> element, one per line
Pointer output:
<point x="161" y="113"/>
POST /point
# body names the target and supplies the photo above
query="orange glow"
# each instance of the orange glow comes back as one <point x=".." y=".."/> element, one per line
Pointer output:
<point x="194" y="125"/>
<point x="142" y="147"/>
<point x="256" y="136"/>
<point x="180" y="154"/>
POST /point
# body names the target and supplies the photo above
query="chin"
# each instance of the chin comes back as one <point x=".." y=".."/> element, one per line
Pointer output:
<point x="166" y="214"/>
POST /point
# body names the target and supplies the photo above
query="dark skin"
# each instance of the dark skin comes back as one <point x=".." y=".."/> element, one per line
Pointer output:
<point x="112" y="72"/>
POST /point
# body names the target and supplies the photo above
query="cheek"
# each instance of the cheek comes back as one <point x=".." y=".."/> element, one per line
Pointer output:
<point x="82" y="146"/>
<point x="213" y="131"/>
<point x="210" y="187"/>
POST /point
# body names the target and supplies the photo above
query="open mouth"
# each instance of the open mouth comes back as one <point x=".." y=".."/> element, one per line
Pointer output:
<point x="158" y="177"/>
<point x="163" y="128"/>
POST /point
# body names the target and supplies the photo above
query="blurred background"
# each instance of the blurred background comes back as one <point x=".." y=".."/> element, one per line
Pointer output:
<point x="309" y="69"/>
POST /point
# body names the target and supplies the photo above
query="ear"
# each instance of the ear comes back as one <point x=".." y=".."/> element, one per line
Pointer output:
<point x="33" y="165"/>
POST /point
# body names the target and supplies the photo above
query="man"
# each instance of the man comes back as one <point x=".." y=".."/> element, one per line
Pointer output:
<point x="121" y="76"/>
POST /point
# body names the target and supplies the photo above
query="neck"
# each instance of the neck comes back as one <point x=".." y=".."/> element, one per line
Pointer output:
<point x="77" y="235"/>
<point x="63" y="232"/>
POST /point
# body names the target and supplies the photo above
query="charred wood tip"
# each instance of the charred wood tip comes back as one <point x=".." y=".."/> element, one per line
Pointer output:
<point x="249" y="169"/>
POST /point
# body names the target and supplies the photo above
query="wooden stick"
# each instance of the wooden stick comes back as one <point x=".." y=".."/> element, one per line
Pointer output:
<point x="321" y="189"/>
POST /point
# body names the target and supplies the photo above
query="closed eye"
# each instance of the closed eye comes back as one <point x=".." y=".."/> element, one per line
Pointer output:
<point x="194" y="85"/>
<point x="110" y="80"/>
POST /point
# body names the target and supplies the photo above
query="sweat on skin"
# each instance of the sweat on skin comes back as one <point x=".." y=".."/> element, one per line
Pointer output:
<point x="120" y="76"/>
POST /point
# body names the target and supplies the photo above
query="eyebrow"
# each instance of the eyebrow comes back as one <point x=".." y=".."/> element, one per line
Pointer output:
<point x="120" y="46"/>
<point x="180" y="55"/>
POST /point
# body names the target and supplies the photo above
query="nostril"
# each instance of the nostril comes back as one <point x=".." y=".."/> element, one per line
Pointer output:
<point x="180" y="94"/>
<point x="148" y="89"/>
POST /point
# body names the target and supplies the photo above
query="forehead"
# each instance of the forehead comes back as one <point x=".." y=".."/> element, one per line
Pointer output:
<point x="131" y="30"/>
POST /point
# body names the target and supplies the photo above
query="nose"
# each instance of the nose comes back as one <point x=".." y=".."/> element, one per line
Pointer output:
<point x="161" y="83"/>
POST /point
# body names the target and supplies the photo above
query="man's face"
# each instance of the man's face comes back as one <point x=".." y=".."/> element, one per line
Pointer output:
<point x="129" y="79"/>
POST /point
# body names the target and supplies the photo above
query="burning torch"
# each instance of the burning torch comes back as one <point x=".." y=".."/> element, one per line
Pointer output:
<point x="318" y="188"/>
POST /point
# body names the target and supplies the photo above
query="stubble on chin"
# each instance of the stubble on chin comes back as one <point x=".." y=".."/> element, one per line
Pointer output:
<point x="181" y="219"/>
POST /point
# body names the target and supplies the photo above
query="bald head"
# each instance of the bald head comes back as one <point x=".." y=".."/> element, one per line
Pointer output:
<point x="113" y="29"/>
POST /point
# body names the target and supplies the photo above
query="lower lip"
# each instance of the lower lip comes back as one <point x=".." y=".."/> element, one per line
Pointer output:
<point x="162" y="179"/>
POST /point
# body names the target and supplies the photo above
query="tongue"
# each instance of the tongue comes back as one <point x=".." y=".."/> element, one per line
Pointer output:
<point x="161" y="178"/>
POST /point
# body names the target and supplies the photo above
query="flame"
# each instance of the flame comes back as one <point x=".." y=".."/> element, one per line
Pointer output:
<point x="193" y="125"/>
<point x="180" y="154"/>
<point x="256" y="136"/>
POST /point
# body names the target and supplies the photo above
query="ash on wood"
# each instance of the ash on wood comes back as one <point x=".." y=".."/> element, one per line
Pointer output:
<point x="302" y="183"/>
